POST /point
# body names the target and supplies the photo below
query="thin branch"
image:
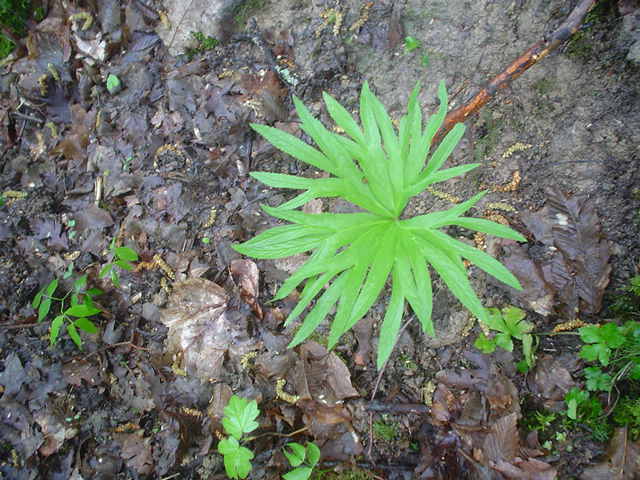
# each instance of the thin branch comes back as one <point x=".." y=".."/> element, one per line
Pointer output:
<point x="525" y="61"/>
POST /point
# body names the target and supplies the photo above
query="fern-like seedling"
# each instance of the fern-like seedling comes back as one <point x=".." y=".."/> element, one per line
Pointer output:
<point x="378" y="170"/>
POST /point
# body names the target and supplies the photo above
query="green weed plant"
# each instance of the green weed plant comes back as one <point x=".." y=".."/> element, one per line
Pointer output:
<point x="509" y="324"/>
<point x="239" y="419"/>
<point x="378" y="169"/>
<point x="303" y="459"/>
<point x="75" y="309"/>
<point x="121" y="257"/>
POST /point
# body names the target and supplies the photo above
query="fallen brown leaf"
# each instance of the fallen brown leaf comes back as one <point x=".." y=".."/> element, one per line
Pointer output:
<point x="622" y="461"/>
<point x="245" y="274"/>
<point x="200" y="332"/>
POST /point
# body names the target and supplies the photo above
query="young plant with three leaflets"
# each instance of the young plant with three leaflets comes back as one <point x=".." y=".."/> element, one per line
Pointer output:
<point x="302" y="458"/>
<point x="378" y="170"/>
<point x="239" y="418"/>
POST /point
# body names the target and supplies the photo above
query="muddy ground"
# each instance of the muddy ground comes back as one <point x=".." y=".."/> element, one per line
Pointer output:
<point x="160" y="164"/>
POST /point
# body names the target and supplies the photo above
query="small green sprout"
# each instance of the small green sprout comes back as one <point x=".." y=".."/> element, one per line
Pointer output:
<point x="411" y="44"/>
<point x="114" y="85"/>
<point x="121" y="257"/>
<point x="509" y="323"/>
<point x="574" y="398"/>
<point x="600" y="340"/>
<point x="239" y="419"/>
<point x="203" y="44"/>
<point x="302" y="459"/>
<point x="74" y="315"/>
<point x="385" y="430"/>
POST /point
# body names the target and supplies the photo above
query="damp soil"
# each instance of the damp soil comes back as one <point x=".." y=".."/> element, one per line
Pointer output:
<point x="161" y="165"/>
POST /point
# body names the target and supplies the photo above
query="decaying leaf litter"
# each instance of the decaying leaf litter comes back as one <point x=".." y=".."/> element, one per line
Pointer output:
<point x="162" y="164"/>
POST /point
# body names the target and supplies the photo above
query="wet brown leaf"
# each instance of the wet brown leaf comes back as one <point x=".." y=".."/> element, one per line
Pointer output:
<point x="200" y="332"/>
<point x="74" y="144"/>
<point x="332" y="429"/>
<point x="322" y="376"/>
<point x="481" y="408"/>
<point x="245" y="274"/>
<point x="530" y="469"/>
<point x="219" y="399"/>
<point x="446" y="405"/>
<point x="136" y="451"/>
<point x="576" y="270"/>
<point x="536" y="293"/>
<point x="363" y="331"/>
<point x="93" y="218"/>
<point x="502" y="441"/>
<point x="77" y="370"/>
<point x="55" y="431"/>
<point x="622" y="460"/>
<point x="551" y="381"/>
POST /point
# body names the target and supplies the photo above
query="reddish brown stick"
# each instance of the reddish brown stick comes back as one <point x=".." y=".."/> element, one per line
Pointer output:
<point x="529" y="58"/>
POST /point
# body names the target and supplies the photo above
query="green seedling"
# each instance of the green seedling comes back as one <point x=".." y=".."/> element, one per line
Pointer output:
<point x="378" y="169"/>
<point x="597" y="380"/>
<point x="114" y="85"/>
<point x="203" y="43"/>
<point x="74" y="309"/>
<point x="600" y="340"/>
<point x="411" y="44"/>
<point x="384" y="430"/>
<point x="303" y="459"/>
<point x="509" y="323"/>
<point x="239" y="419"/>
<point x="574" y="398"/>
<point x="121" y="257"/>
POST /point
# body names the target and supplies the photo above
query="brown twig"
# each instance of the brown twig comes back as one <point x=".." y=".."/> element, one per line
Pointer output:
<point x="525" y="61"/>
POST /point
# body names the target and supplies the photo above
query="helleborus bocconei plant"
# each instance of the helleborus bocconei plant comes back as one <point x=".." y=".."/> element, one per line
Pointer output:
<point x="378" y="170"/>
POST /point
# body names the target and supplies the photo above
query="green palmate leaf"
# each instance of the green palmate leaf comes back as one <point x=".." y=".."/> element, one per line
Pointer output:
<point x="237" y="459"/>
<point x="487" y="226"/>
<point x="104" y="271"/>
<point x="239" y="416"/>
<point x="280" y="180"/>
<point x="115" y="278"/>
<point x="125" y="265"/>
<point x="353" y="255"/>
<point x="80" y="283"/>
<point x="343" y="118"/>
<point x="294" y="147"/>
<point x="485" y="344"/>
<point x="320" y="311"/>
